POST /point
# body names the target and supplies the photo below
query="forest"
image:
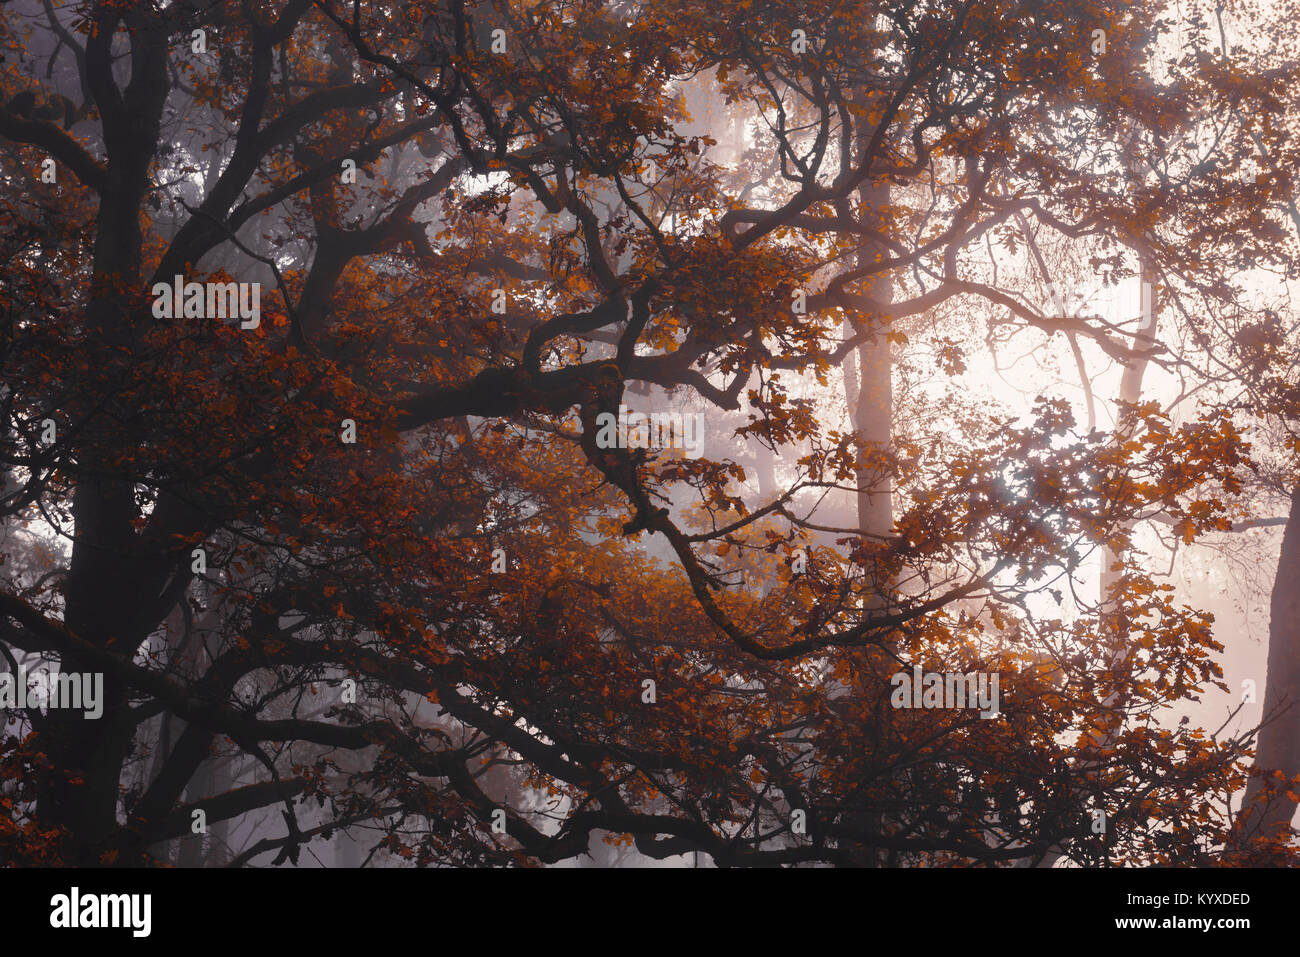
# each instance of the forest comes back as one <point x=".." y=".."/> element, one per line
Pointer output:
<point x="612" y="433"/>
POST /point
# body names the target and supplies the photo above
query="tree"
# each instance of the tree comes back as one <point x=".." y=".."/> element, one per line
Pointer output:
<point x="367" y="546"/>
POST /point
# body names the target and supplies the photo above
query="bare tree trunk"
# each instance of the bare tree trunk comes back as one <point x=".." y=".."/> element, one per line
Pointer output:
<point x="193" y="847"/>
<point x="347" y="850"/>
<point x="1278" y="747"/>
<point x="1130" y="390"/>
<point x="871" y="397"/>
<point x="765" y="468"/>
<point x="871" y="407"/>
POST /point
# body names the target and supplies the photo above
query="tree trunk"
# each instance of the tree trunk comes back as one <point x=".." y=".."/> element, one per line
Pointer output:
<point x="871" y="408"/>
<point x="1278" y="747"/>
<point x="109" y="571"/>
